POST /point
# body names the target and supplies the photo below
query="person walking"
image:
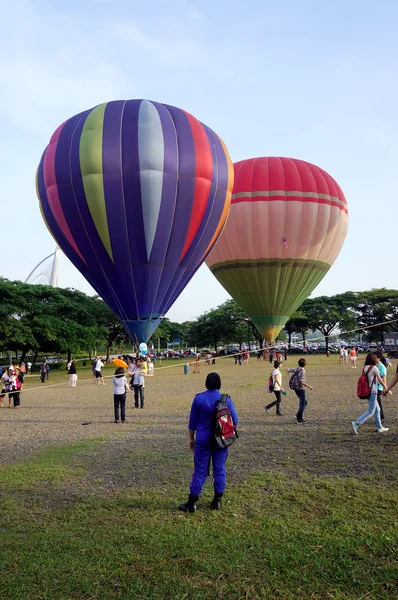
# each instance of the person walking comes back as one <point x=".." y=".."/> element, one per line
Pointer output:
<point x="299" y="386"/>
<point x="119" y="394"/>
<point x="72" y="374"/>
<point x="381" y="365"/>
<point x="393" y="383"/>
<point x="373" y="376"/>
<point x="278" y="389"/>
<point x="201" y="433"/>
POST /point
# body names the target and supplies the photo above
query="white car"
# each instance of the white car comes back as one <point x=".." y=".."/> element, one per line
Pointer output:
<point x="53" y="359"/>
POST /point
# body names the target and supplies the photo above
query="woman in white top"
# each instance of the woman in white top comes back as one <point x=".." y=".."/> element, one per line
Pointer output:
<point x="373" y="375"/>
<point x="278" y="389"/>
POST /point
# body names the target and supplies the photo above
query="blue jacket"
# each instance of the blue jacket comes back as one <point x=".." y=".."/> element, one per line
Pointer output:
<point x="202" y="415"/>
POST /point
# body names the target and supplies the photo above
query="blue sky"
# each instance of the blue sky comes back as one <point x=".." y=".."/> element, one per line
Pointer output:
<point x="311" y="80"/>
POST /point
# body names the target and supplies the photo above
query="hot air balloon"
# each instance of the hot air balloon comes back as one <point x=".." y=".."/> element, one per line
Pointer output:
<point x="135" y="193"/>
<point x="286" y="226"/>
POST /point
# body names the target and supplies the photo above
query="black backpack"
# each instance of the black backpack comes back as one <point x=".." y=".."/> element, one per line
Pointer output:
<point x="225" y="432"/>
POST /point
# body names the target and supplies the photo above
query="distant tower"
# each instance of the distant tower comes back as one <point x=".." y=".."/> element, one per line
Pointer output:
<point x="54" y="269"/>
<point x="48" y="274"/>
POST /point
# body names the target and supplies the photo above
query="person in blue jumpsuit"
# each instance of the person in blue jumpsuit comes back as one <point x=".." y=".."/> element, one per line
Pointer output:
<point x="201" y="433"/>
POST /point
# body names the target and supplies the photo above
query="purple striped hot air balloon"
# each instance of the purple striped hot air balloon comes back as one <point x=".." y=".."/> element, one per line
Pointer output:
<point x="135" y="193"/>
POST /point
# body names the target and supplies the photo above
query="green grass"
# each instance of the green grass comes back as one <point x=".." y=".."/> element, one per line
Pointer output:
<point x="275" y="538"/>
<point x="309" y="514"/>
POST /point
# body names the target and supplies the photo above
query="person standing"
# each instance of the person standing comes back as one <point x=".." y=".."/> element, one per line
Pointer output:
<point x="373" y="376"/>
<point x="72" y="374"/>
<point x="44" y="371"/>
<point x="29" y="365"/>
<point x="119" y="394"/>
<point x="18" y="386"/>
<point x="8" y="380"/>
<point x="271" y="355"/>
<point x="353" y="358"/>
<point x="98" y="372"/>
<point x="139" y="385"/>
<point x="132" y="369"/>
<point x="285" y="354"/>
<point x="201" y="433"/>
<point x="342" y="353"/>
<point x="300" y="387"/>
<point x="345" y="356"/>
<point x="93" y="363"/>
<point x="278" y="389"/>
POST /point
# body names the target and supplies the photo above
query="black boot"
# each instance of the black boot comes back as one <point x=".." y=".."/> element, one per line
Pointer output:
<point x="189" y="506"/>
<point x="216" y="502"/>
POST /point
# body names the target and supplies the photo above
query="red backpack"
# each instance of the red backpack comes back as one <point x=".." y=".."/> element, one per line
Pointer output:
<point x="363" y="387"/>
<point x="270" y="384"/>
<point x="225" y="433"/>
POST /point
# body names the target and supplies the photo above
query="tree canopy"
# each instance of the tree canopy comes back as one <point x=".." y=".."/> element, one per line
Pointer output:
<point x="40" y="318"/>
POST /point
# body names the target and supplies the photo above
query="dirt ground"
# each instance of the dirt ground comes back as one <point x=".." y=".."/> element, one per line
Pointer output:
<point x="151" y="448"/>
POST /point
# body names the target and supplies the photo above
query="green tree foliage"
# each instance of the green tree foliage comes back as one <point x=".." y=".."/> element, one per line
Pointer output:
<point x="324" y="314"/>
<point x="372" y="308"/>
<point x="298" y="323"/>
<point x="225" y="324"/>
<point x="54" y="320"/>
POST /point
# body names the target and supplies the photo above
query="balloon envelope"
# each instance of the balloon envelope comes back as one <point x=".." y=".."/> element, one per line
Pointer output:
<point x="135" y="193"/>
<point x="286" y="226"/>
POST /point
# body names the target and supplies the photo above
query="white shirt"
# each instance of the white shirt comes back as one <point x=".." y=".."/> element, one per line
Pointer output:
<point x="138" y="379"/>
<point x="276" y="372"/>
<point x="119" y="385"/>
<point x="98" y="365"/>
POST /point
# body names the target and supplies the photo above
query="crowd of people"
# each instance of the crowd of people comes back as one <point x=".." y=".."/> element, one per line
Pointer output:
<point x="201" y="421"/>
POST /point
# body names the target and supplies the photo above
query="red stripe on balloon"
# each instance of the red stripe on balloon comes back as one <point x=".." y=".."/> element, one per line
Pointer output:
<point x="50" y="182"/>
<point x="289" y="199"/>
<point x="203" y="176"/>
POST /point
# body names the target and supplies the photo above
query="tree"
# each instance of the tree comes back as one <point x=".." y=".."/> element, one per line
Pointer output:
<point x="109" y="328"/>
<point x="373" y="308"/>
<point x="298" y="322"/>
<point x="323" y="313"/>
<point x="224" y="324"/>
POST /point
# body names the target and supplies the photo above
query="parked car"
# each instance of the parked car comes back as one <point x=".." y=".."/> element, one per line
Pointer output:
<point x="53" y="359"/>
